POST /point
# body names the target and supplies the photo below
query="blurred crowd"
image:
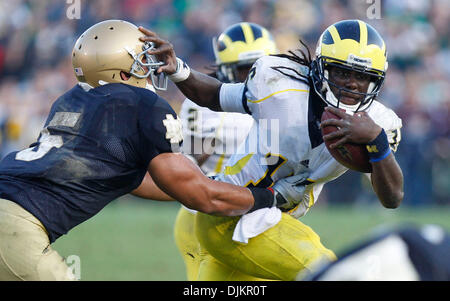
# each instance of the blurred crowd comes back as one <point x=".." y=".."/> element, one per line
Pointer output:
<point x="36" y="39"/>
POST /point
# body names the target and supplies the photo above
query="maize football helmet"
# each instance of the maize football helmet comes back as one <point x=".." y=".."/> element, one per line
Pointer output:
<point x="110" y="47"/>
<point x="352" y="45"/>
<point x="239" y="46"/>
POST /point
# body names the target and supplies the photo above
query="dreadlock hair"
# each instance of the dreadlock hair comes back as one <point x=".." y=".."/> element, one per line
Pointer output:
<point x="305" y="60"/>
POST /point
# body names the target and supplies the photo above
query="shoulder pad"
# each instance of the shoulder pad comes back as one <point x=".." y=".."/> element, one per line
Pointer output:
<point x="274" y="67"/>
<point x="265" y="77"/>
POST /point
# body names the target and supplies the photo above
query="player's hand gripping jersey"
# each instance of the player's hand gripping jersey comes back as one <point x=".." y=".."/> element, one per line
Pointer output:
<point x="286" y="138"/>
<point x="96" y="145"/>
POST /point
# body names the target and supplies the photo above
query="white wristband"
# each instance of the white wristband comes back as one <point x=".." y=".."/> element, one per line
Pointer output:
<point x="182" y="72"/>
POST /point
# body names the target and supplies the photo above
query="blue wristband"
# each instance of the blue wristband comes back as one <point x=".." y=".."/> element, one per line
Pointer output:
<point x="378" y="148"/>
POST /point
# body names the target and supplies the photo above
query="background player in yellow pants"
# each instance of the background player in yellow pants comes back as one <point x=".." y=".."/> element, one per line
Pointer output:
<point x="210" y="138"/>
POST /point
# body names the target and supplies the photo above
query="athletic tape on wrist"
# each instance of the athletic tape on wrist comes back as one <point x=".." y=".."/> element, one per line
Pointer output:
<point x="378" y="148"/>
<point x="264" y="198"/>
<point x="182" y="72"/>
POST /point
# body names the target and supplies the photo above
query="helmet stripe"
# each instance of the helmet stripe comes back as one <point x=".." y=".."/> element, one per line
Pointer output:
<point x="248" y="33"/>
<point x="363" y="33"/>
<point x="227" y="41"/>
<point x="334" y="34"/>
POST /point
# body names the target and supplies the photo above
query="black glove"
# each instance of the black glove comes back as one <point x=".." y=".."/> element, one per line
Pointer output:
<point x="286" y="194"/>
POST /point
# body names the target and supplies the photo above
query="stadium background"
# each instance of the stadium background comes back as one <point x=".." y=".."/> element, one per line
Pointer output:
<point x="131" y="239"/>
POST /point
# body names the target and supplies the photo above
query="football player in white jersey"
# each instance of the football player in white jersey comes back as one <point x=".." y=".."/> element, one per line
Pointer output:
<point x="210" y="137"/>
<point x="293" y="91"/>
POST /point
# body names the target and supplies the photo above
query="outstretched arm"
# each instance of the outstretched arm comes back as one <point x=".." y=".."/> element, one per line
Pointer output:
<point x="182" y="180"/>
<point x="203" y="89"/>
<point x="387" y="176"/>
<point x="199" y="87"/>
<point x="149" y="190"/>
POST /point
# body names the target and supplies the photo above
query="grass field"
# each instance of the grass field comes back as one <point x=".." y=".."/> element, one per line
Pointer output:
<point x="133" y="240"/>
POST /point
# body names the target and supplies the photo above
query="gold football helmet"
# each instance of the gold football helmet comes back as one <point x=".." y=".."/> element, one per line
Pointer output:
<point x="353" y="45"/>
<point x="111" y="52"/>
<point x="239" y="46"/>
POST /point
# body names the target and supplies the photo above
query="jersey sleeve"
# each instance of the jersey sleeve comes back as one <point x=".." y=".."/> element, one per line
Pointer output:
<point x="389" y="121"/>
<point x="264" y="90"/>
<point x="232" y="98"/>
<point x="269" y="94"/>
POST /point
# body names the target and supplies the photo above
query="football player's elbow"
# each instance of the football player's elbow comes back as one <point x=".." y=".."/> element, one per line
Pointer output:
<point x="200" y="201"/>
<point x="394" y="200"/>
<point x="203" y="205"/>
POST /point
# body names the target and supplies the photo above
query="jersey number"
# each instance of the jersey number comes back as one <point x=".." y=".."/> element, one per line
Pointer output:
<point x="192" y="119"/>
<point x="266" y="179"/>
<point x="48" y="141"/>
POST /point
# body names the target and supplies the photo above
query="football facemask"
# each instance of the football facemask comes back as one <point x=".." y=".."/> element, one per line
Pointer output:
<point x="146" y="65"/>
<point x="353" y="45"/>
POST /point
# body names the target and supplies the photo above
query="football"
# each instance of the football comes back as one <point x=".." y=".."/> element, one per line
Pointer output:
<point x="353" y="156"/>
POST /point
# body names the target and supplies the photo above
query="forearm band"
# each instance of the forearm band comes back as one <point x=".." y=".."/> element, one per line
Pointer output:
<point x="182" y="72"/>
<point x="264" y="198"/>
<point x="378" y="148"/>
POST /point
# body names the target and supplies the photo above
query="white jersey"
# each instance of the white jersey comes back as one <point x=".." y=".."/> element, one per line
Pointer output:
<point x="286" y="139"/>
<point x="201" y="127"/>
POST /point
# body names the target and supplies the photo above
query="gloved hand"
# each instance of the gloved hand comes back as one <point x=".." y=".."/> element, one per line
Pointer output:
<point x="289" y="191"/>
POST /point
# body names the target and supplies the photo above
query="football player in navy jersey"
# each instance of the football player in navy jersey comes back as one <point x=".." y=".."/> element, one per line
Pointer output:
<point x="99" y="141"/>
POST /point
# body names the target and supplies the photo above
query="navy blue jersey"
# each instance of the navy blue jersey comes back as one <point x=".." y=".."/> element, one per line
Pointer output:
<point x="96" y="145"/>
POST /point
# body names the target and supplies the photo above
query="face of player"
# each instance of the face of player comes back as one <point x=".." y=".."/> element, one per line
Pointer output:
<point x="126" y="76"/>
<point x="144" y="60"/>
<point x="242" y="73"/>
<point x="351" y="80"/>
